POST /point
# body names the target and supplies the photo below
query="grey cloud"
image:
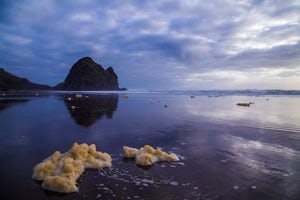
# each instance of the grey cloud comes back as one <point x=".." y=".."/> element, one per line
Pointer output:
<point x="284" y="56"/>
<point x="290" y="73"/>
<point x="148" y="41"/>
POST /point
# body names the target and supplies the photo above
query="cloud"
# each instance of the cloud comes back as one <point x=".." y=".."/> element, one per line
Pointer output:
<point x="84" y="17"/>
<point x="154" y="44"/>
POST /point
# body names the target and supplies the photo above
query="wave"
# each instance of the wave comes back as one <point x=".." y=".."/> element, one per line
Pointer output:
<point x="252" y="92"/>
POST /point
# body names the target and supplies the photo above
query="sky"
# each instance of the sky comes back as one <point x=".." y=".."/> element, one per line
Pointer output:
<point x="156" y="44"/>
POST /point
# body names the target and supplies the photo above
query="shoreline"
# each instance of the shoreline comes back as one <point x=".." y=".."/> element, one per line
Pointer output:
<point x="210" y="93"/>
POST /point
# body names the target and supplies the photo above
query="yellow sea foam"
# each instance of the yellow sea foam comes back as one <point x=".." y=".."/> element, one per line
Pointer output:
<point x="59" y="172"/>
<point x="147" y="155"/>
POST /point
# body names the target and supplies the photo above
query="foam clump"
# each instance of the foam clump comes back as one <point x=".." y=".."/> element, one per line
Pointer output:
<point x="126" y="96"/>
<point x="147" y="155"/>
<point x="78" y="96"/>
<point x="59" y="172"/>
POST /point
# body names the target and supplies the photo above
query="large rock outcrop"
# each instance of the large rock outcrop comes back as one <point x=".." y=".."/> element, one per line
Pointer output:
<point x="85" y="74"/>
<point x="9" y="81"/>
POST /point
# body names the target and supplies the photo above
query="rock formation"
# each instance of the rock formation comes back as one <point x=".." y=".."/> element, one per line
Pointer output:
<point x="9" y="81"/>
<point x="85" y="74"/>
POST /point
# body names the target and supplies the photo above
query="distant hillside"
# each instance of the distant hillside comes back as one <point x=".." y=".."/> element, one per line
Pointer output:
<point x="85" y="74"/>
<point x="9" y="81"/>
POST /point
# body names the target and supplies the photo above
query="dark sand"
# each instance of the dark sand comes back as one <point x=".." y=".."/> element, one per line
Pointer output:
<point x="226" y="151"/>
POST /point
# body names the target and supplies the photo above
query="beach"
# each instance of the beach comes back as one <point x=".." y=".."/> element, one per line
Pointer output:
<point x="226" y="151"/>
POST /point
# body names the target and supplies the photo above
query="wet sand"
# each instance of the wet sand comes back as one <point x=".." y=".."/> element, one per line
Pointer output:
<point x="227" y="151"/>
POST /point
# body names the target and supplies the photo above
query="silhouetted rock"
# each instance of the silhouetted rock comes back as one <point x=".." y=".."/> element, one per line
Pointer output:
<point x="85" y="74"/>
<point x="9" y="81"/>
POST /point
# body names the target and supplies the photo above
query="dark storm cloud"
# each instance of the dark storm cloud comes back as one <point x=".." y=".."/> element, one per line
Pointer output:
<point x="151" y="44"/>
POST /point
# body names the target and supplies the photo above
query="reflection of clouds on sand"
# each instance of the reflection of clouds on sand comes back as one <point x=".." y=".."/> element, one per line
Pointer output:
<point x="280" y="113"/>
<point x="269" y="162"/>
<point x="241" y="143"/>
<point x="85" y="110"/>
<point x="248" y="157"/>
<point x="264" y="157"/>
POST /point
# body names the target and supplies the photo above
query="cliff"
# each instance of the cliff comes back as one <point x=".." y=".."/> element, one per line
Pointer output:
<point x="9" y="81"/>
<point x="85" y="74"/>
